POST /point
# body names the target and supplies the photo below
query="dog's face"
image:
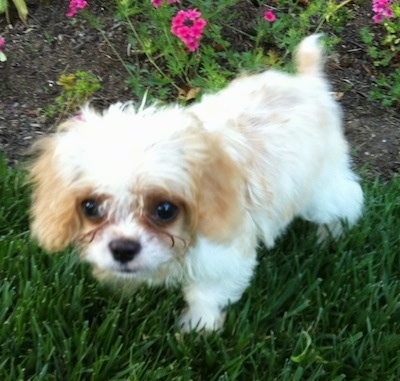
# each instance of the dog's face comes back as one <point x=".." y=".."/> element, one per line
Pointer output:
<point x="132" y="191"/>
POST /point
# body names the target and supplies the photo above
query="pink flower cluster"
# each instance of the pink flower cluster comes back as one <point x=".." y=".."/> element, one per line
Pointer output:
<point x="382" y="9"/>
<point x="75" y="6"/>
<point x="269" y="16"/>
<point x="188" y="26"/>
<point x="158" y="3"/>
<point x="3" y="57"/>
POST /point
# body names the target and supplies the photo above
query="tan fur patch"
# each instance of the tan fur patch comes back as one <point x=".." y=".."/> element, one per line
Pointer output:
<point x="55" y="222"/>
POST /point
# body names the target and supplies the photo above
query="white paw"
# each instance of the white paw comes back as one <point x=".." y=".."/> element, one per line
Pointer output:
<point x="202" y="319"/>
<point x="329" y="231"/>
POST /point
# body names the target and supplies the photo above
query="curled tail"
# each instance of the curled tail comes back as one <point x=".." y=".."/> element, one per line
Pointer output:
<point x="309" y="56"/>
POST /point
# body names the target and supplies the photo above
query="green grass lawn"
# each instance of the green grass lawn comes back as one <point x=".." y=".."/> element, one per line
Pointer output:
<point x="310" y="313"/>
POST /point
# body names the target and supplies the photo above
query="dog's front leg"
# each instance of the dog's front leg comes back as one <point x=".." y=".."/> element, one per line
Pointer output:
<point x="217" y="276"/>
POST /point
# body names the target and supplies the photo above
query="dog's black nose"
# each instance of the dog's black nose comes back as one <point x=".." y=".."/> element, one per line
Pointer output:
<point x="124" y="250"/>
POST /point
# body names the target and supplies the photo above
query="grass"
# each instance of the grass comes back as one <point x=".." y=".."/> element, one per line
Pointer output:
<point x="310" y="314"/>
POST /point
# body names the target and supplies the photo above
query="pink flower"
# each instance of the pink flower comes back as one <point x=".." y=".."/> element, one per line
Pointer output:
<point x="269" y="16"/>
<point x="158" y="3"/>
<point x="3" y="57"/>
<point x="192" y="14"/>
<point x="377" y="18"/>
<point x="188" y="27"/>
<point x="388" y="13"/>
<point x="75" y="6"/>
<point x="382" y="9"/>
<point x="379" y="6"/>
<point x="192" y="45"/>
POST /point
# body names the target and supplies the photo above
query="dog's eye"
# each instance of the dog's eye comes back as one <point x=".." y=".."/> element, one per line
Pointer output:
<point x="165" y="212"/>
<point x="91" y="209"/>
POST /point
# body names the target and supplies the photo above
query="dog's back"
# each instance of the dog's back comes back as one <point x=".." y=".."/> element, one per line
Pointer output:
<point x="286" y="130"/>
<point x="265" y="92"/>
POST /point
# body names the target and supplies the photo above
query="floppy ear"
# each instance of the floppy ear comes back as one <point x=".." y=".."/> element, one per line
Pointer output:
<point x="221" y="194"/>
<point x="54" y="218"/>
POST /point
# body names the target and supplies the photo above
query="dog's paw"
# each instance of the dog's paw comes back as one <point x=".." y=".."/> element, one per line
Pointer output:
<point x="326" y="232"/>
<point x="202" y="320"/>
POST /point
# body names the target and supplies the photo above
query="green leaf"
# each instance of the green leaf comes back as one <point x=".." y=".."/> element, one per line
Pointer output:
<point x="3" y="6"/>
<point x="22" y="9"/>
<point x="301" y="357"/>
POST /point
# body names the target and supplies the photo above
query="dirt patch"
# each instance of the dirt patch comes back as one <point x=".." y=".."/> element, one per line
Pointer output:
<point x="52" y="45"/>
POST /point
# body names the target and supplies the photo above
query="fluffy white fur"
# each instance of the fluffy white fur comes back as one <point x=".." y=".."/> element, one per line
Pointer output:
<point x="183" y="195"/>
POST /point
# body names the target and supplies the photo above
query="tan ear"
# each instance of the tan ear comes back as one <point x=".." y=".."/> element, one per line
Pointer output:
<point x="54" y="219"/>
<point x="221" y="195"/>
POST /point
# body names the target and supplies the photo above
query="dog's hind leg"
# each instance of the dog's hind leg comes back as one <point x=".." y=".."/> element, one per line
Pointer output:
<point x="337" y="200"/>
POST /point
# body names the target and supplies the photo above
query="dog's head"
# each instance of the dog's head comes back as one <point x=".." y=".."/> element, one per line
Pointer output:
<point x="133" y="190"/>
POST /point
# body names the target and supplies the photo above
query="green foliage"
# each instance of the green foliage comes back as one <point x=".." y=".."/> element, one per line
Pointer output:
<point x="383" y="47"/>
<point x="311" y="313"/>
<point x="387" y="89"/>
<point x="13" y="198"/>
<point x="77" y="88"/>
<point x="168" y="66"/>
<point x="20" y="6"/>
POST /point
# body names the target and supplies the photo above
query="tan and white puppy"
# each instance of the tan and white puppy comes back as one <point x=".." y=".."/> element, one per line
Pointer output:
<point x="184" y="195"/>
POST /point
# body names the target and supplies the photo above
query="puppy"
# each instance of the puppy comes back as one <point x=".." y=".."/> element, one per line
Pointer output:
<point x="166" y="195"/>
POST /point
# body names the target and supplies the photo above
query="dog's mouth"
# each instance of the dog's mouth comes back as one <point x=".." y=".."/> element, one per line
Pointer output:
<point x="127" y="274"/>
<point x="125" y="270"/>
